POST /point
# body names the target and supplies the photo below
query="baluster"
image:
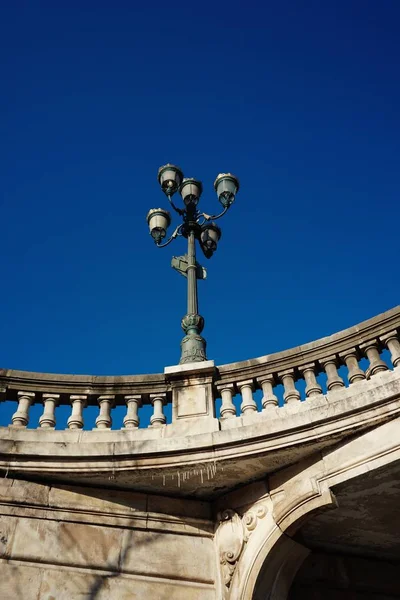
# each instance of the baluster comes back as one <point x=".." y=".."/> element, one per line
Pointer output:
<point x="391" y="341"/>
<point x="158" y="419"/>
<point x="246" y="389"/>
<point x="48" y="419"/>
<point x="228" y="409"/>
<point x="21" y="417"/>
<point x="104" y="420"/>
<point x="354" y="372"/>
<point x="334" y="380"/>
<point x="376" y="364"/>
<point x="131" y="419"/>
<point x="312" y="386"/>
<point x="291" y="395"/>
<point x="269" y="399"/>
<point x="75" y="421"/>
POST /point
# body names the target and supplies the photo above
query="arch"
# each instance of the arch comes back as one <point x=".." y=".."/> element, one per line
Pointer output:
<point x="274" y="581"/>
<point x="271" y="558"/>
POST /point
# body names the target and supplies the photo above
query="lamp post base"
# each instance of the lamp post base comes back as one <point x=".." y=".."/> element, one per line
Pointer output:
<point x="193" y="345"/>
<point x="193" y="349"/>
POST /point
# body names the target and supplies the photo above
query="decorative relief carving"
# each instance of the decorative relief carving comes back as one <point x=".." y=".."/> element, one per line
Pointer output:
<point x="230" y="541"/>
<point x="193" y="348"/>
<point x="251" y="518"/>
<point x="232" y="534"/>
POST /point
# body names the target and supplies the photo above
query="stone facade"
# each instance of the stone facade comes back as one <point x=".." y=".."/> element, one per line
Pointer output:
<point x="71" y="542"/>
<point x="291" y="498"/>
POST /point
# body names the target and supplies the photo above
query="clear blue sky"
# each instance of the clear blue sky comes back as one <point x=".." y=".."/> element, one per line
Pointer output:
<point x="299" y="99"/>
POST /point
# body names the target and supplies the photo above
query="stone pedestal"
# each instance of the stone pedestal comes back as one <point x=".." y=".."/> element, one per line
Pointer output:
<point x="193" y="409"/>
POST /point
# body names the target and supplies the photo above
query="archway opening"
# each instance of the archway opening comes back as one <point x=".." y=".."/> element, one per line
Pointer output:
<point x="354" y="549"/>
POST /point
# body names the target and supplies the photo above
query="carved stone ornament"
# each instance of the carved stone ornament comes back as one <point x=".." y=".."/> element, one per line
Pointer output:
<point x="251" y="518"/>
<point x="230" y="541"/>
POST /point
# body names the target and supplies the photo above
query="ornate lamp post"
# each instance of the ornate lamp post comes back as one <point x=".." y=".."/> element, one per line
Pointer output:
<point x="195" y="226"/>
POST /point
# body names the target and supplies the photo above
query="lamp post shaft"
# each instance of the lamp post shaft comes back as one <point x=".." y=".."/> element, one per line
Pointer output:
<point x="193" y="345"/>
<point x="192" y="302"/>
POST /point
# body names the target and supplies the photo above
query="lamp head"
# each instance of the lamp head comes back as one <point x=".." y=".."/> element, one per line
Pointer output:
<point x="169" y="177"/>
<point x="226" y="185"/>
<point x="158" y="220"/>
<point x="190" y="190"/>
<point x="209" y="237"/>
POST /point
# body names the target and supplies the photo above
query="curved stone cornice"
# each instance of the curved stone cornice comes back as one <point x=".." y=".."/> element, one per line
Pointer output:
<point x="198" y="454"/>
<point x="206" y="464"/>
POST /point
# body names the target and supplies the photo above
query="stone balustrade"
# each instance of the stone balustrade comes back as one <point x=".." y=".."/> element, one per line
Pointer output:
<point x="307" y="372"/>
<point x="291" y="378"/>
<point x="78" y="404"/>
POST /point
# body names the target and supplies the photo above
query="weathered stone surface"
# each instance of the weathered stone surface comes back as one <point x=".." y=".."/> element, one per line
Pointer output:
<point x="207" y="464"/>
<point x="74" y="542"/>
<point x="22" y="582"/>
<point x="210" y="508"/>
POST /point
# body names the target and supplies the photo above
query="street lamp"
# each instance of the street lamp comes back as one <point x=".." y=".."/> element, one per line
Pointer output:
<point x="194" y="226"/>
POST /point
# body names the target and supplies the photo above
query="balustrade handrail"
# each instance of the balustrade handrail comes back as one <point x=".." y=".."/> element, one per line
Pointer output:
<point x="313" y="352"/>
<point x="14" y="381"/>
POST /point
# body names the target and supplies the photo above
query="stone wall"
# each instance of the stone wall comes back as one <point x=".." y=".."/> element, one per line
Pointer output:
<point x="60" y="542"/>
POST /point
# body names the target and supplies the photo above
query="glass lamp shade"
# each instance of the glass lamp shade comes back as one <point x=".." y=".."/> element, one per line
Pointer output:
<point x="190" y="190"/>
<point x="210" y="236"/>
<point x="170" y="178"/>
<point x="159" y="220"/>
<point x="226" y="185"/>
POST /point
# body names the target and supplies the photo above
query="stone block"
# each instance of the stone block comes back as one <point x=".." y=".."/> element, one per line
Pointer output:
<point x="23" y="492"/>
<point x="192" y="401"/>
<point x="168" y="555"/>
<point x="71" y="585"/>
<point x="154" y="553"/>
<point x="19" y="582"/>
<point x="95" y="499"/>
<point x="7" y="529"/>
<point x="66" y="543"/>
<point x="184" y="507"/>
